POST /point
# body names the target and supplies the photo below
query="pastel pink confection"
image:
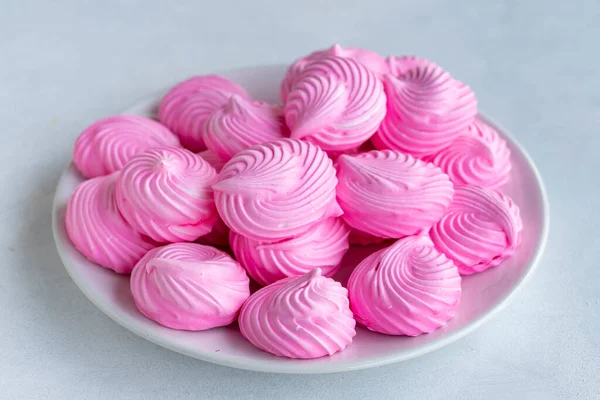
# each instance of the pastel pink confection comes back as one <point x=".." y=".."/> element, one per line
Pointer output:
<point x="106" y="145"/>
<point x="478" y="157"/>
<point x="336" y="103"/>
<point x="218" y="236"/>
<point x="98" y="230"/>
<point x="390" y="194"/>
<point x="426" y="110"/>
<point x="276" y="190"/>
<point x="480" y="229"/>
<point x="323" y="246"/>
<point x="187" y="106"/>
<point x="241" y="123"/>
<point x="360" y="238"/>
<point x="368" y="58"/>
<point x="402" y="64"/>
<point x="408" y="288"/>
<point x="189" y="286"/>
<point x="299" y="317"/>
<point x="166" y="194"/>
<point x="215" y="161"/>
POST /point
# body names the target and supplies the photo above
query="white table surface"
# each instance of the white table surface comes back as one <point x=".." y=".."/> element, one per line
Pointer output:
<point x="65" y="64"/>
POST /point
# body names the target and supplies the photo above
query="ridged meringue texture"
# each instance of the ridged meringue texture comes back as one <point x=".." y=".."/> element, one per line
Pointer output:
<point x="426" y="110"/>
<point x="478" y="157"/>
<point x="276" y="190"/>
<point x="106" y="145"/>
<point x="241" y="123"/>
<point x="323" y="246"/>
<point x="187" y="106"/>
<point x="98" y="230"/>
<point x="373" y="61"/>
<point x="403" y="64"/>
<point x="480" y="229"/>
<point x="408" y="288"/>
<point x="215" y="161"/>
<point x="299" y="317"/>
<point x="390" y="194"/>
<point x="166" y="194"/>
<point x="189" y="286"/>
<point x="336" y="103"/>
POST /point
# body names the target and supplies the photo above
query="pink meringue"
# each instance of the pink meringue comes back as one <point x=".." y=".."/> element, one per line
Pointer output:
<point x="479" y="230"/>
<point x="188" y="286"/>
<point x="390" y="194"/>
<point x="241" y="123"/>
<point x="215" y="161"/>
<point x="98" y="230"/>
<point x="166" y="194"/>
<point x="478" y="157"/>
<point x="106" y="145"/>
<point x="299" y="317"/>
<point x="276" y="190"/>
<point x="323" y="246"/>
<point x="403" y="64"/>
<point x="408" y="288"/>
<point x="187" y="106"/>
<point x="426" y="110"/>
<point x="336" y="103"/>
<point x="373" y="61"/>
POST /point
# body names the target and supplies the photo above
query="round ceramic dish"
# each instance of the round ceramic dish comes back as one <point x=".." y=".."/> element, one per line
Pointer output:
<point x="484" y="294"/>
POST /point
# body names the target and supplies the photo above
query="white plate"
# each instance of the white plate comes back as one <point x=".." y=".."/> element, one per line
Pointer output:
<point x="483" y="296"/>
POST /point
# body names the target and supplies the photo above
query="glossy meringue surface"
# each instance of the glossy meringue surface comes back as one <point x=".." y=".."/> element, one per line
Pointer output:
<point x="166" y="194"/>
<point x="299" y="317"/>
<point x="98" y="230"/>
<point x="426" y="110"/>
<point x="408" y="288"/>
<point x="478" y="157"/>
<point x="106" y="145"/>
<point x="390" y="194"/>
<point x="323" y="246"/>
<point x="187" y="106"/>
<point x="241" y="123"/>
<point x="336" y="103"/>
<point x="276" y="190"/>
<point x="480" y="229"/>
<point x="189" y="286"/>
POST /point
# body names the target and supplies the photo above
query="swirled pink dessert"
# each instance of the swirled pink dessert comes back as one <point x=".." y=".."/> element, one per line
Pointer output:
<point x="98" y="230"/>
<point x="299" y="317"/>
<point x="426" y="110"/>
<point x="400" y="65"/>
<point x="408" y="288"/>
<point x="106" y="145"/>
<point x="390" y="194"/>
<point x="215" y="161"/>
<point x="478" y="157"/>
<point x="189" y="286"/>
<point x="336" y="103"/>
<point x="480" y="229"/>
<point x="323" y="246"/>
<point x="187" y="106"/>
<point x="276" y="190"/>
<point x="166" y="194"/>
<point x="373" y="61"/>
<point x="241" y="123"/>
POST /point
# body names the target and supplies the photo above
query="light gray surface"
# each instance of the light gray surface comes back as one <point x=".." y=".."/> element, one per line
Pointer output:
<point x="534" y="67"/>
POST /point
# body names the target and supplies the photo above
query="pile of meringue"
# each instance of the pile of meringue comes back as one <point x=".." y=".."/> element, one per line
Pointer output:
<point x="363" y="150"/>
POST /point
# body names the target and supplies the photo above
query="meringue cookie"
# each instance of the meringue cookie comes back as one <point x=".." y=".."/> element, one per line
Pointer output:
<point x="408" y="288"/>
<point x="336" y="103"/>
<point x="215" y="161"/>
<point x="276" y="190"/>
<point x="479" y="230"/>
<point x="299" y="317"/>
<point x="426" y="110"/>
<point x="399" y="66"/>
<point x="368" y="58"/>
<point x="323" y="246"/>
<point x="98" y="230"/>
<point x="106" y="145"/>
<point x="166" y="194"/>
<point x="390" y="194"/>
<point x="188" y="286"/>
<point x="218" y="236"/>
<point x="187" y="106"/>
<point x="478" y="157"/>
<point x="241" y="123"/>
